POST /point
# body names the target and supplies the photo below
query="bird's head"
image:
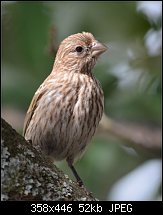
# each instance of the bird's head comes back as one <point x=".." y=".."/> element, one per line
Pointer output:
<point x="79" y="52"/>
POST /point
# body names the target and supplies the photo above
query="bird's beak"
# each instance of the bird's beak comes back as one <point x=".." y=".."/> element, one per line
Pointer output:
<point x="98" y="48"/>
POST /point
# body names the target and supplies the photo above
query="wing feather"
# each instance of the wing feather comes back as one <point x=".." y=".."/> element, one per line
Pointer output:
<point x="31" y="109"/>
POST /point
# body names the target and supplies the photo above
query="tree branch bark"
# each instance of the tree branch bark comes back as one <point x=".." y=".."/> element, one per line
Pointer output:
<point x="27" y="174"/>
<point x="141" y="138"/>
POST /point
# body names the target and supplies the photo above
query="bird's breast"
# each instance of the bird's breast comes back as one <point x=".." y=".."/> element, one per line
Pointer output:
<point x="70" y="115"/>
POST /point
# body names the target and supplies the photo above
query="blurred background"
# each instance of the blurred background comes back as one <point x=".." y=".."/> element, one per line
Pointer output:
<point x="123" y="162"/>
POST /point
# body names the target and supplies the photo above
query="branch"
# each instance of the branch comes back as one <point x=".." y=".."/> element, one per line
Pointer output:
<point x="27" y="174"/>
<point x="140" y="138"/>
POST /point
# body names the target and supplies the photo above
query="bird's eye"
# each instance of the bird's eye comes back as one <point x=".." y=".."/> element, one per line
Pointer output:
<point x="79" y="49"/>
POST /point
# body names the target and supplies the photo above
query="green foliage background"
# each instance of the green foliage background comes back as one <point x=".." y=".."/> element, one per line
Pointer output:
<point x="129" y="74"/>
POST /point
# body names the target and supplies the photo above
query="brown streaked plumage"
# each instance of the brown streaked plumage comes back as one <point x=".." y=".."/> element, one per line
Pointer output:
<point x="67" y="107"/>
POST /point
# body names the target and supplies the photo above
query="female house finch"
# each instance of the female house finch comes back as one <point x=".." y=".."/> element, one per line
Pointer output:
<point x="67" y="107"/>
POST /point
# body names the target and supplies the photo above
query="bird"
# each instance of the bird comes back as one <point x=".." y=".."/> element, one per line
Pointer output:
<point x="67" y="107"/>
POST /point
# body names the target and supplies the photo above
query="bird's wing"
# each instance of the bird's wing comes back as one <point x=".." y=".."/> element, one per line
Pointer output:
<point x="32" y="107"/>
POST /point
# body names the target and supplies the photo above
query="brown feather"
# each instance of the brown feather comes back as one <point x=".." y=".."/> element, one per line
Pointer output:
<point x="66" y="109"/>
<point x="31" y="110"/>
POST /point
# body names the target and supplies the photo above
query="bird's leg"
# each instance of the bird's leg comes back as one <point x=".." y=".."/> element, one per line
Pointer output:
<point x="79" y="181"/>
